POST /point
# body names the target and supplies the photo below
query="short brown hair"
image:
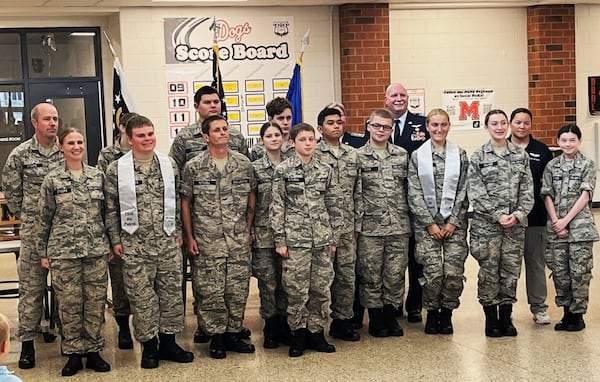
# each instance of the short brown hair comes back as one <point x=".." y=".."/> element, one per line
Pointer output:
<point x="66" y="131"/>
<point x="206" y="123"/>
<point x="137" y="121"/>
<point x="383" y="113"/>
<point x="300" y="127"/>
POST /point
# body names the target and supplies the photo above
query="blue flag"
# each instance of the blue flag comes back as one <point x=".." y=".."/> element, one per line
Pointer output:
<point x="294" y="93"/>
<point x="218" y="81"/>
<point x="122" y="100"/>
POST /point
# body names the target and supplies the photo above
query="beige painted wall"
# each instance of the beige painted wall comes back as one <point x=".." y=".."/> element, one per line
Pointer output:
<point x="461" y="48"/>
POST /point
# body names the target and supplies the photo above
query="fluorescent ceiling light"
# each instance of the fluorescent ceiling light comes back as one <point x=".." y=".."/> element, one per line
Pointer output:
<point x="82" y="34"/>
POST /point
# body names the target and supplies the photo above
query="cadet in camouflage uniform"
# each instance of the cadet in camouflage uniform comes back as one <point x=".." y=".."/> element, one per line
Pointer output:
<point x="72" y="239"/>
<point x="218" y="204"/>
<point x="500" y="188"/>
<point x="438" y="169"/>
<point x="22" y="176"/>
<point x="150" y="251"/>
<point x="120" y="303"/>
<point x="567" y="187"/>
<point x="343" y="160"/>
<point x="266" y="263"/>
<point x="302" y="200"/>
<point x="383" y="225"/>
<point x="279" y="110"/>
<point x="188" y="143"/>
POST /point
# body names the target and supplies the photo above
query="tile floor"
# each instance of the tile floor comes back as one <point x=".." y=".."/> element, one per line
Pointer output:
<point x="538" y="353"/>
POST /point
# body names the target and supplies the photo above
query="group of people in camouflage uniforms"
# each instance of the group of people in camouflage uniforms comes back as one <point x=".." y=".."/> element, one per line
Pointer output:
<point x="313" y="221"/>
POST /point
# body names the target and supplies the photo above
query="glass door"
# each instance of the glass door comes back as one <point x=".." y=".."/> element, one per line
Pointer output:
<point x="79" y="105"/>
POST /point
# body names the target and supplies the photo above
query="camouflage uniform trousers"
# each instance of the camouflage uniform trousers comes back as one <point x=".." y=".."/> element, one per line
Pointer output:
<point x="153" y="285"/>
<point x="80" y="286"/>
<point x="499" y="254"/>
<point x="344" y="266"/>
<point x="266" y="267"/>
<point x="382" y="262"/>
<point x="32" y="289"/>
<point x="223" y="283"/>
<point x="120" y="302"/>
<point x="443" y="268"/>
<point x="307" y="275"/>
<point x="571" y="265"/>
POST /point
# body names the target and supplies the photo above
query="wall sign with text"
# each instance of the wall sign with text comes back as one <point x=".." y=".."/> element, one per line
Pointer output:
<point x="256" y="60"/>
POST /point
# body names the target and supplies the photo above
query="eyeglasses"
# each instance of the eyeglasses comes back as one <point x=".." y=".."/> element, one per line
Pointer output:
<point x="378" y="126"/>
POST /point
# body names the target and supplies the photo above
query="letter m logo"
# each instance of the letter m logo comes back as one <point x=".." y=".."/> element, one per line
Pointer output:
<point x="468" y="110"/>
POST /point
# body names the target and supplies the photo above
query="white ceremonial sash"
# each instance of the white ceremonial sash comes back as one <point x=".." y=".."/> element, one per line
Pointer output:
<point x="451" y="176"/>
<point x="128" y="198"/>
<point x="170" y="196"/>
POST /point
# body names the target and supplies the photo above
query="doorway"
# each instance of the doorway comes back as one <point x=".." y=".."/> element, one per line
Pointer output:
<point x="78" y="105"/>
<point x="57" y="65"/>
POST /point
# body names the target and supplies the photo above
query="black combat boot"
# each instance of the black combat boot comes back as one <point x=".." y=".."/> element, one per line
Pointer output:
<point x="285" y="333"/>
<point x="576" y="324"/>
<point x="359" y="314"/>
<point x="96" y="363"/>
<point x="506" y="325"/>
<point x="445" y="323"/>
<point x="377" y="327"/>
<point x="492" y="325"/>
<point x="565" y="321"/>
<point x="125" y="341"/>
<point x="217" y="346"/>
<point x="316" y="341"/>
<point x="389" y="318"/>
<point x="298" y="342"/>
<point x="169" y="350"/>
<point x="27" y="358"/>
<point x="200" y="336"/>
<point x="233" y="342"/>
<point x="432" y="323"/>
<point x="150" y="353"/>
<point x="73" y="365"/>
<point x="271" y="333"/>
<point x="244" y="333"/>
<point x="343" y="330"/>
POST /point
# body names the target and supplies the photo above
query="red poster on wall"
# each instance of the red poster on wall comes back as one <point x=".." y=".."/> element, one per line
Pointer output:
<point x="594" y="95"/>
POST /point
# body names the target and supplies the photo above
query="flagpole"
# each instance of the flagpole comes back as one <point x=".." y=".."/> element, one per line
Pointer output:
<point x="304" y="43"/>
<point x="110" y="46"/>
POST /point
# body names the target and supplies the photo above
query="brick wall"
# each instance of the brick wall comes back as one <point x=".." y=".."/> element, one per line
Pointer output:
<point x="552" y="71"/>
<point x="364" y="60"/>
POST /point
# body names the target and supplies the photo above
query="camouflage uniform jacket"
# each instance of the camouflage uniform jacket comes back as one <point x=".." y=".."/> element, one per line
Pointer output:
<point x="258" y="151"/>
<point x="219" y="202"/>
<point x="499" y="185"/>
<point x="189" y="142"/>
<point x="108" y="155"/>
<point x="564" y="181"/>
<point x="380" y="198"/>
<point x="344" y="177"/>
<point x="263" y="173"/>
<point x="149" y="189"/>
<point x="420" y="213"/>
<point x="71" y="218"/>
<point x="22" y="177"/>
<point x="302" y="199"/>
